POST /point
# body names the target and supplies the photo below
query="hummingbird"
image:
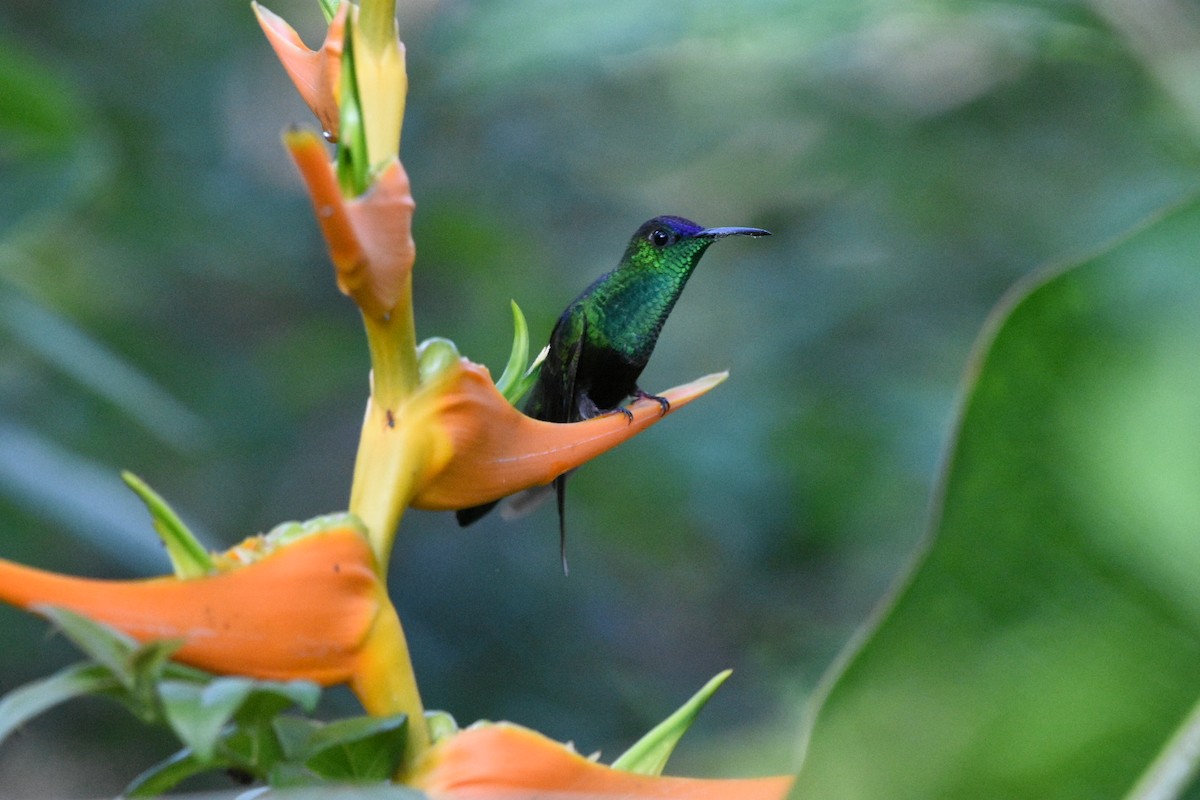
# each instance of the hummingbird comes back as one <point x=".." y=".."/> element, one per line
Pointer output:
<point x="605" y="337"/>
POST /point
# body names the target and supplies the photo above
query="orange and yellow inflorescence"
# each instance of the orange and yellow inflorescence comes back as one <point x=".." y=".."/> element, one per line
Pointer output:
<point x="315" y="606"/>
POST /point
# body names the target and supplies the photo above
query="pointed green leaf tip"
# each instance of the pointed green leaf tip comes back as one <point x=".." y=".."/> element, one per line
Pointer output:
<point x="517" y="380"/>
<point x="649" y="754"/>
<point x="119" y="667"/>
<point x="188" y="557"/>
<point x="117" y="652"/>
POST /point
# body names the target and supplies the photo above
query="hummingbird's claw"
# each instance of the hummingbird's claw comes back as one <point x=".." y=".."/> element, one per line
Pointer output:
<point x="663" y="402"/>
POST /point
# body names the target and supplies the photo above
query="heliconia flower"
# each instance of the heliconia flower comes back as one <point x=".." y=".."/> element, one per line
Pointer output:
<point x="312" y="608"/>
<point x="456" y="441"/>
<point x="508" y="762"/>
<point x="316" y="73"/>
<point x="494" y="450"/>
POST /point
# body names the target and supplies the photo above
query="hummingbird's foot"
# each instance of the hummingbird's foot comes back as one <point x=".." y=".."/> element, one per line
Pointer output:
<point x="663" y="402"/>
<point x="623" y="410"/>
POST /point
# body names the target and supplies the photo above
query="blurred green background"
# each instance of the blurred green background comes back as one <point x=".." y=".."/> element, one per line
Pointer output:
<point x="166" y="306"/>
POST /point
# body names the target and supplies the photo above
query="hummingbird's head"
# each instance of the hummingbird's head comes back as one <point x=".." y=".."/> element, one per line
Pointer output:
<point x="675" y="241"/>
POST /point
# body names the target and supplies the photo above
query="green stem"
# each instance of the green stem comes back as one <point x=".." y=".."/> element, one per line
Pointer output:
<point x="392" y="341"/>
<point x="389" y="448"/>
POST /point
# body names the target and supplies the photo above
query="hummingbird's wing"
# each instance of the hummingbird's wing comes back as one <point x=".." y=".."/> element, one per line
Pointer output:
<point x="555" y="397"/>
<point x="469" y="516"/>
<point x="572" y="333"/>
<point x="524" y="502"/>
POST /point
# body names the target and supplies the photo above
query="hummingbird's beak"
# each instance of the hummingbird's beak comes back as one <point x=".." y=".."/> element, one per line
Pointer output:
<point x="719" y="233"/>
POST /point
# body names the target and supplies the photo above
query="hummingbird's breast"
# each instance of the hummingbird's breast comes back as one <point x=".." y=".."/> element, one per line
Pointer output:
<point x="607" y="376"/>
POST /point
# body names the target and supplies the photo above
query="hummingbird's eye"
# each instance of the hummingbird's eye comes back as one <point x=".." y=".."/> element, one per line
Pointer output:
<point x="658" y="237"/>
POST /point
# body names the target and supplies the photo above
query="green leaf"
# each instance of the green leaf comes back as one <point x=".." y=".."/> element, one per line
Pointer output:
<point x="167" y="774"/>
<point x="294" y="735"/>
<point x="355" y="749"/>
<point x="648" y="756"/>
<point x="516" y="380"/>
<point x="1047" y="644"/>
<point x="253" y="741"/>
<point x="188" y="557"/>
<point x="272" y="698"/>
<point x="199" y="713"/>
<point x="26" y="702"/>
<point x="518" y="357"/>
<point x="289" y="774"/>
<point x="109" y="648"/>
<point x="151" y="663"/>
<point x="360" y="749"/>
<point x="327" y="791"/>
<point x="135" y="667"/>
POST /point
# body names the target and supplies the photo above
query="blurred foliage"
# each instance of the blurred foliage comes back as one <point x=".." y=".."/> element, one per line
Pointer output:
<point x="1047" y="645"/>
<point x="166" y="307"/>
<point x="225" y="723"/>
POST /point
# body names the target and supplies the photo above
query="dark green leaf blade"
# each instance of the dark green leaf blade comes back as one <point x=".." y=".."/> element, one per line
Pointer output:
<point x="110" y="648"/>
<point x="272" y="698"/>
<point x="355" y="749"/>
<point x="1047" y="645"/>
<point x="294" y="735"/>
<point x="374" y="791"/>
<point x="26" y="702"/>
<point x="167" y="774"/>
<point x="199" y="713"/>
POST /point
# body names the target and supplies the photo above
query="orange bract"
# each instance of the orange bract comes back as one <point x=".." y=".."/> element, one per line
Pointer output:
<point x="370" y="236"/>
<point x="495" y="450"/>
<point x="508" y="762"/>
<point x="302" y="612"/>
<point x="315" y="73"/>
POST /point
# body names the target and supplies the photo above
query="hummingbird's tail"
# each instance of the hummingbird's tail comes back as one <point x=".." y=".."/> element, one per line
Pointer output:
<point x="560" y="492"/>
<point x="520" y="504"/>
